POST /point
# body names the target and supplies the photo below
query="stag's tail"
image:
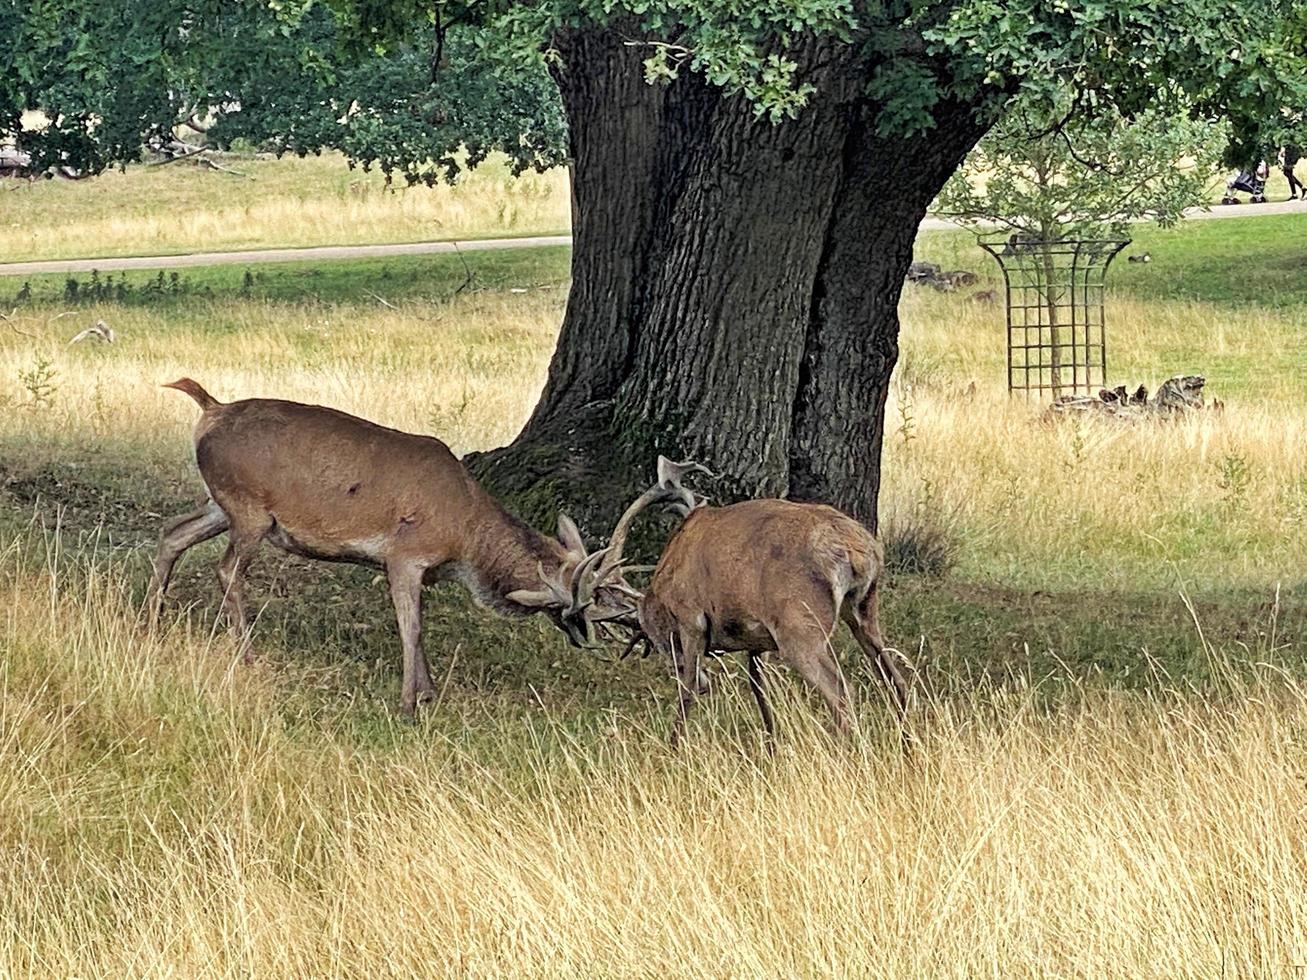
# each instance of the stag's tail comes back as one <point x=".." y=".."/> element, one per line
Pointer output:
<point x="202" y="398"/>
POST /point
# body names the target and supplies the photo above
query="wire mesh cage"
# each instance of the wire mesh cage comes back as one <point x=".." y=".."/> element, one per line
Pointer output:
<point x="1056" y="335"/>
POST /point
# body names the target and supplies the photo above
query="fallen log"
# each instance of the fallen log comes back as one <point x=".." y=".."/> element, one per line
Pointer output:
<point x="1179" y="395"/>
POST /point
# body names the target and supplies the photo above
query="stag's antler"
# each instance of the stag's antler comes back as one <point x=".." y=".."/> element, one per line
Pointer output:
<point x="555" y="593"/>
<point x="603" y="568"/>
<point x="668" y="490"/>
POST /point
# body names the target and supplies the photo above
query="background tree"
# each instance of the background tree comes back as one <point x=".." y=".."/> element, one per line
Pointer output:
<point x="742" y="225"/>
<point x="112" y="76"/>
<point x="1047" y="173"/>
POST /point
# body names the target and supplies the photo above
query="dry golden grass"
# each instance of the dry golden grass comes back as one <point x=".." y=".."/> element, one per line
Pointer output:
<point x="1219" y="498"/>
<point x="166" y="812"/>
<point x="468" y="369"/>
<point x="289" y="202"/>
<point x="1207" y="503"/>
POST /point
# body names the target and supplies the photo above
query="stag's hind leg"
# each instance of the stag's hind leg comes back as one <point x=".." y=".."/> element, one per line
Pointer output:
<point x="805" y="646"/>
<point x="179" y="536"/>
<point x="864" y="622"/>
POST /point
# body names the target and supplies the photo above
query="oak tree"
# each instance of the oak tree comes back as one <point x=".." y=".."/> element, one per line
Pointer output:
<point x="747" y="177"/>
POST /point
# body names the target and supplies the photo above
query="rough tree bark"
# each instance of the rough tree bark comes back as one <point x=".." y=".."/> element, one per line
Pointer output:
<point x="852" y="342"/>
<point x="735" y="288"/>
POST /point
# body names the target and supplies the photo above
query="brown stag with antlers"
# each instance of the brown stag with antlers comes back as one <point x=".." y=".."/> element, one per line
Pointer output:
<point x="757" y="577"/>
<point x="322" y="484"/>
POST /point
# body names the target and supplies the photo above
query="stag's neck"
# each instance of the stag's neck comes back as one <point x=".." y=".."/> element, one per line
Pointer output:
<point x="505" y="556"/>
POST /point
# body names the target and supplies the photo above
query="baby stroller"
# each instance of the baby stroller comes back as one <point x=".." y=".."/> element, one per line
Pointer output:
<point x="1251" y="182"/>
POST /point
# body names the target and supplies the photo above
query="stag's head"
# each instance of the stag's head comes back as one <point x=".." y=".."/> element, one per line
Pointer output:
<point x="574" y="596"/>
<point x="592" y="593"/>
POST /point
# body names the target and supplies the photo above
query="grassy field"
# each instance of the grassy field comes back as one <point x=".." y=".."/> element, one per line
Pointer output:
<point x="317" y="200"/>
<point x="147" y="210"/>
<point x="1110" y="777"/>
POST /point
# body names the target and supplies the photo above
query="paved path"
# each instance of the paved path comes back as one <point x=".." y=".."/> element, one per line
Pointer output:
<point x="1193" y="214"/>
<point x="257" y="256"/>
<point x="329" y="252"/>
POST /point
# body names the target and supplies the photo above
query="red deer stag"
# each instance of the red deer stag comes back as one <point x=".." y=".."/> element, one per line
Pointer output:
<point x="757" y="576"/>
<point x="322" y="484"/>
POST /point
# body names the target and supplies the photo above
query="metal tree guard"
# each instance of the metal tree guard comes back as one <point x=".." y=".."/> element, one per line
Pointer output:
<point x="1056" y="341"/>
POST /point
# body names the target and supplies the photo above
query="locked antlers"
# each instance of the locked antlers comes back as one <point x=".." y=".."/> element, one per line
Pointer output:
<point x="575" y="591"/>
<point x="593" y="591"/>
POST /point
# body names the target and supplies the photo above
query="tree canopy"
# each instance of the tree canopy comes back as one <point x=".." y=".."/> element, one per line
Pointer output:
<point x="748" y="176"/>
<point x="406" y="84"/>
<point x="106" y="77"/>
<point x="1046" y="175"/>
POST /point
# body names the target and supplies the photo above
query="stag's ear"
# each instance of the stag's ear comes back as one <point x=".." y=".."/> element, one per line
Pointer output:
<point x="569" y="535"/>
<point x="532" y="599"/>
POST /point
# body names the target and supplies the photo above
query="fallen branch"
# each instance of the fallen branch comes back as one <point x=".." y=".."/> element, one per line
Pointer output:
<point x="388" y="305"/>
<point x="96" y="331"/>
<point x="8" y="318"/>
<point x="226" y="170"/>
<point x="191" y="152"/>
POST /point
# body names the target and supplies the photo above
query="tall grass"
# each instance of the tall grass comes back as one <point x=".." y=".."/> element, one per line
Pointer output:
<point x="467" y="368"/>
<point x="167" y="811"/>
<point x="1214" y="501"/>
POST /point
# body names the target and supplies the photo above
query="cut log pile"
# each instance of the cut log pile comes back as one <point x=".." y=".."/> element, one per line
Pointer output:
<point x="1177" y="396"/>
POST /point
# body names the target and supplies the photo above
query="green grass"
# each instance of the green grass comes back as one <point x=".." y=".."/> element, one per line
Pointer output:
<point x="1255" y="261"/>
<point x="359" y="281"/>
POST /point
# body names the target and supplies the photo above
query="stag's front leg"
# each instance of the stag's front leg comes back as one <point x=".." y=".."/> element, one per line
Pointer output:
<point x="406" y="594"/>
<point x="688" y="647"/>
<point x="754" y="664"/>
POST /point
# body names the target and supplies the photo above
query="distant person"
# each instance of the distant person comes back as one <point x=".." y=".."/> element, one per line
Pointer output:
<point x="1252" y="181"/>
<point x="1289" y="158"/>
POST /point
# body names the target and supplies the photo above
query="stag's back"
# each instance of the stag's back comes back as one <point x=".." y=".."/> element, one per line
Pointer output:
<point x="330" y="478"/>
<point x="748" y="561"/>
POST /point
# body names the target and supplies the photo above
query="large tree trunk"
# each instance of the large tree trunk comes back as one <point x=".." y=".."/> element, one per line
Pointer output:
<point x="616" y="138"/>
<point x="853" y="329"/>
<point x="735" y="289"/>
